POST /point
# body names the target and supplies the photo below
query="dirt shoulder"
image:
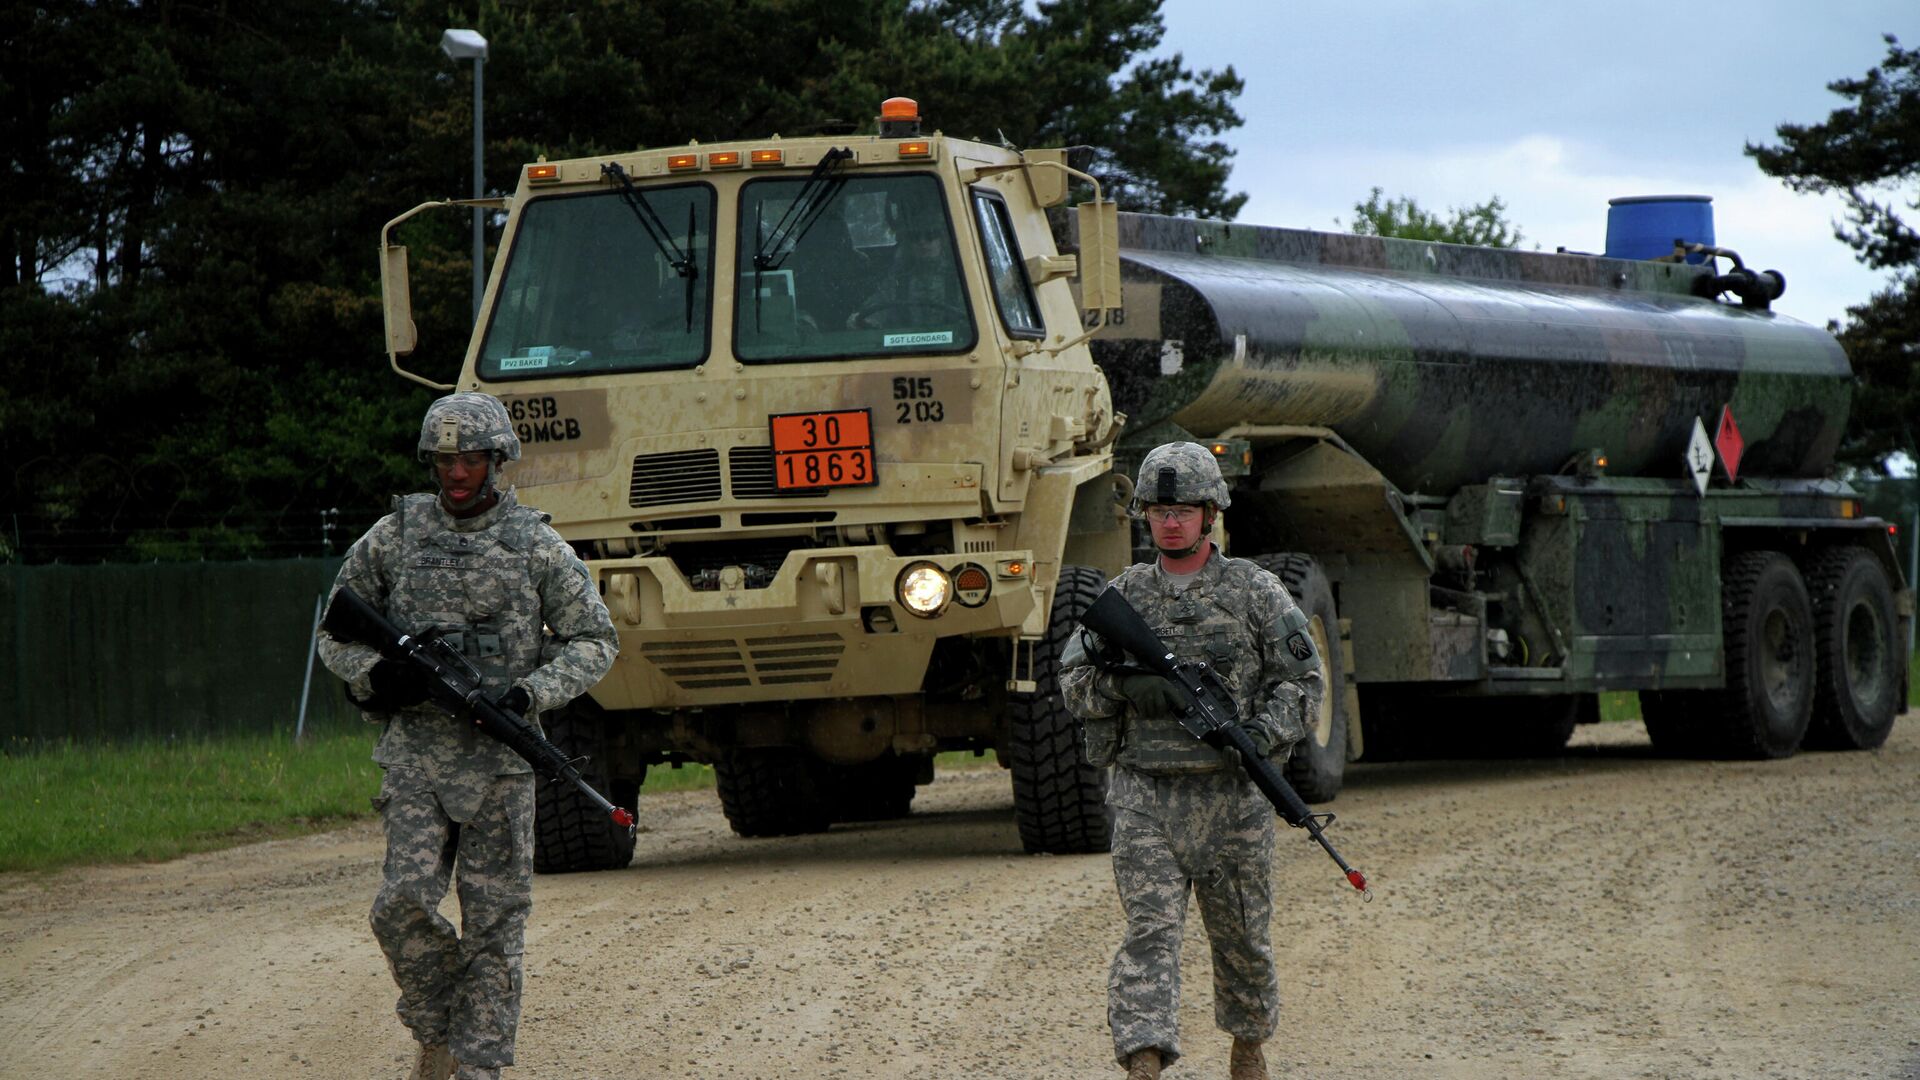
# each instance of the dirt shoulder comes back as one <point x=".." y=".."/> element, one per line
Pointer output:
<point x="1604" y="915"/>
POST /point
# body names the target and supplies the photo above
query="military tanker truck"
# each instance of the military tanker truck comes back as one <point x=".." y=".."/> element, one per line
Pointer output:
<point x="838" y="429"/>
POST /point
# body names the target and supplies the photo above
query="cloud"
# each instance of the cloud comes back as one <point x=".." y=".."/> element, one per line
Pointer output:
<point x="1556" y="191"/>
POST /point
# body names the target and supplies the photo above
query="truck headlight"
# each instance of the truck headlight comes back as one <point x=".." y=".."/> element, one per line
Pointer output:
<point x="924" y="589"/>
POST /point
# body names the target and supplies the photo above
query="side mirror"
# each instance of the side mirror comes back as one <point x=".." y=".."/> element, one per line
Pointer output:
<point x="396" y="296"/>
<point x="1049" y="185"/>
<point x="396" y="293"/>
<point x="1099" y="223"/>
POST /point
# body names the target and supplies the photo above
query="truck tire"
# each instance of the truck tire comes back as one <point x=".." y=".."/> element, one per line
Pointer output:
<point x="772" y="791"/>
<point x="1522" y="727"/>
<point x="1670" y="719"/>
<point x="1318" y="766"/>
<point x="1767" y="627"/>
<point x="1059" y="801"/>
<point x="877" y="790"/>
<point x="569" y="832"/>
<point x="1388" y="721"/>
<point x="1857" y="689"/>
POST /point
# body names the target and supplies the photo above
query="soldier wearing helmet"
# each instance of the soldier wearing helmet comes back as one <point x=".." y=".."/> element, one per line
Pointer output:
<point x="496" y="580"/>
<point x="1186" y="818"/>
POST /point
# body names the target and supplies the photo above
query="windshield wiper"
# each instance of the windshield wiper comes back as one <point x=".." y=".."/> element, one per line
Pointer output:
<point x="656" y="230"/>
<point x="821" y="186"/>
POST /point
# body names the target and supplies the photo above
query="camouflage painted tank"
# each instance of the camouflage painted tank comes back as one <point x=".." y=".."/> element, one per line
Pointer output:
<point x="1443" y="365"/>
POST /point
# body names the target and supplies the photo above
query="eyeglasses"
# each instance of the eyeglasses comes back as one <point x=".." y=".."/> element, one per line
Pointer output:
<point x="474" y="460"/>
<point x="1176" y="515"/>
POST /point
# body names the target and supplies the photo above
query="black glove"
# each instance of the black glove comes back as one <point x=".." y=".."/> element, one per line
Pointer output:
<point x="1152" y="695"/>
<point x="1102" y="653"/>
<point x="396" y="685"/>
<point x="1260" y="737"/>
<point x="516" y="701"/>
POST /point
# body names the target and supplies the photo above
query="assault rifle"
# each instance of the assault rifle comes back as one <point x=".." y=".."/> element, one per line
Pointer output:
<point x="454" y="684"/>
<point x="1210" y="715"/>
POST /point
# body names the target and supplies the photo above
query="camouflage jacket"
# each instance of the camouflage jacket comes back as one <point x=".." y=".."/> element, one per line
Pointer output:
<point x="506" y="590"/>
<point x="1230" y="615"/>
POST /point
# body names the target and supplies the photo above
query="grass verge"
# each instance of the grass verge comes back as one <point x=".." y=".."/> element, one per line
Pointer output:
<point x="75" y="804"/>
<point x="72" y="804"/>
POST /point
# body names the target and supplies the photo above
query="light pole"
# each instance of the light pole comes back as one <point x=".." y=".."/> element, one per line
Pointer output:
<point x="469" y="45"/>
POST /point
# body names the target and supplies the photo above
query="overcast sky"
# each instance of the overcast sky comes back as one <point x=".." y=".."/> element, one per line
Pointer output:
<point x="1553" y="106"/>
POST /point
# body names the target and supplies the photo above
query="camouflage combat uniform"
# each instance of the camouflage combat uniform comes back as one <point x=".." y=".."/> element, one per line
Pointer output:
<point x="1183" y="815"/>
<point x="450" y="794"/>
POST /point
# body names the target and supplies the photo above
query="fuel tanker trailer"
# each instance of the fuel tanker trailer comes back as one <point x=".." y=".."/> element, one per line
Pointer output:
<point x="1501" y="482"/>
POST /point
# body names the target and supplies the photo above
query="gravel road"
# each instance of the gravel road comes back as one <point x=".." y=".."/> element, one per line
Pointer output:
<point x="1607" y="914"/>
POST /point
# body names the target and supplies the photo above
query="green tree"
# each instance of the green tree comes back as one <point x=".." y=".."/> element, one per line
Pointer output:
<point x="191" y="307"/>
<point x="1868" y="152"/>
<point x="1485" y="224"/>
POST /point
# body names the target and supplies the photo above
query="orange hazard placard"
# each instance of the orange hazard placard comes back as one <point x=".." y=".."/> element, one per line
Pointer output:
<point x="823" y="449"/>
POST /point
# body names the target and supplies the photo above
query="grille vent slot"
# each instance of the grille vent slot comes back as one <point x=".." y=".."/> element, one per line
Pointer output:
<point x="682" y="476"/>
<point x="772" y="661"/>
<point x="750" y="474"/>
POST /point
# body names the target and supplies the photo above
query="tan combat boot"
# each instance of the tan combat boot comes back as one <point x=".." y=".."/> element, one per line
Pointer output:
<point x="1246" y="1062"/>
<point x="433" y="1062"/>
<point x="1144" y="1064"/>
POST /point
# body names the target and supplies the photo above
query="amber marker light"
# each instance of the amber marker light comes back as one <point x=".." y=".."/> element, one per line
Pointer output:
<point x="917" y="149"/>
<point x="768" y="157"/>
<point x="971" y="585"/>
<point x="542" y="174"/>
<point x="723" y="159"/>
<point x="682" y="162"/>
<point x="899" y="108"/>
<point x="1012" y="568"/>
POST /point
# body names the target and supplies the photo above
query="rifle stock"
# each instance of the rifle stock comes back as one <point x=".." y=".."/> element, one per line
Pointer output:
<point x="1210" y="715"/>
<point x="455" y="686"/>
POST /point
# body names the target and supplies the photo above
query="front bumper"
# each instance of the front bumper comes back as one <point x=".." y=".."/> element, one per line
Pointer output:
<point x="829" y="625"/>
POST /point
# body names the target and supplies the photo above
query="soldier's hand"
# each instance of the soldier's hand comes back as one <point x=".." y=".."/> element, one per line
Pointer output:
<point x="516" y="701"/>
<point x="396" y="685"/>
<point x="1102" y="653"/>
<point x="1152" y="695"/>
<point x="1260" y="737"/>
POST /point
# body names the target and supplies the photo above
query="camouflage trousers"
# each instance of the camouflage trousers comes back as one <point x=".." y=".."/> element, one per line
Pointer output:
<point x="459" y="989"/>
<point x="1211" y="834"/>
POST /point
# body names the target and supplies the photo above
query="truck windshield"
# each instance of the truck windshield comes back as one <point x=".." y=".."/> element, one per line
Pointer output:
<point x="875" y="274"/>
<point x="588" y="289"/>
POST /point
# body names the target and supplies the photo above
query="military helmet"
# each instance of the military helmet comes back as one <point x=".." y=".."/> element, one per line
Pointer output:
<point x="458" y="423"/>
<point x="1181" y="472"/>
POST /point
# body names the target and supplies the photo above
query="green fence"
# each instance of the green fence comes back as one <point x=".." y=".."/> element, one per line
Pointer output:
<point x="162" y="650"/>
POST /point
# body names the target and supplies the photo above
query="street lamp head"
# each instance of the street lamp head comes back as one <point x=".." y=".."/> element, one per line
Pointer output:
<point x="463" y="45"/>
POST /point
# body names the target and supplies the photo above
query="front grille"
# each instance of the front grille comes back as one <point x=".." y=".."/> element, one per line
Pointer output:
<point x="682" y="476"/>
<point x="769" y="661"/>
<point x="768" y="554"/>
<point x="750" y="473"/>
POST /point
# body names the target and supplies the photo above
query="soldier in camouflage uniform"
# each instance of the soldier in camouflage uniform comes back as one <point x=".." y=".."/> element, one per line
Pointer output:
<point x="490" y="574"/>
<point x="1185" y="815"/>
